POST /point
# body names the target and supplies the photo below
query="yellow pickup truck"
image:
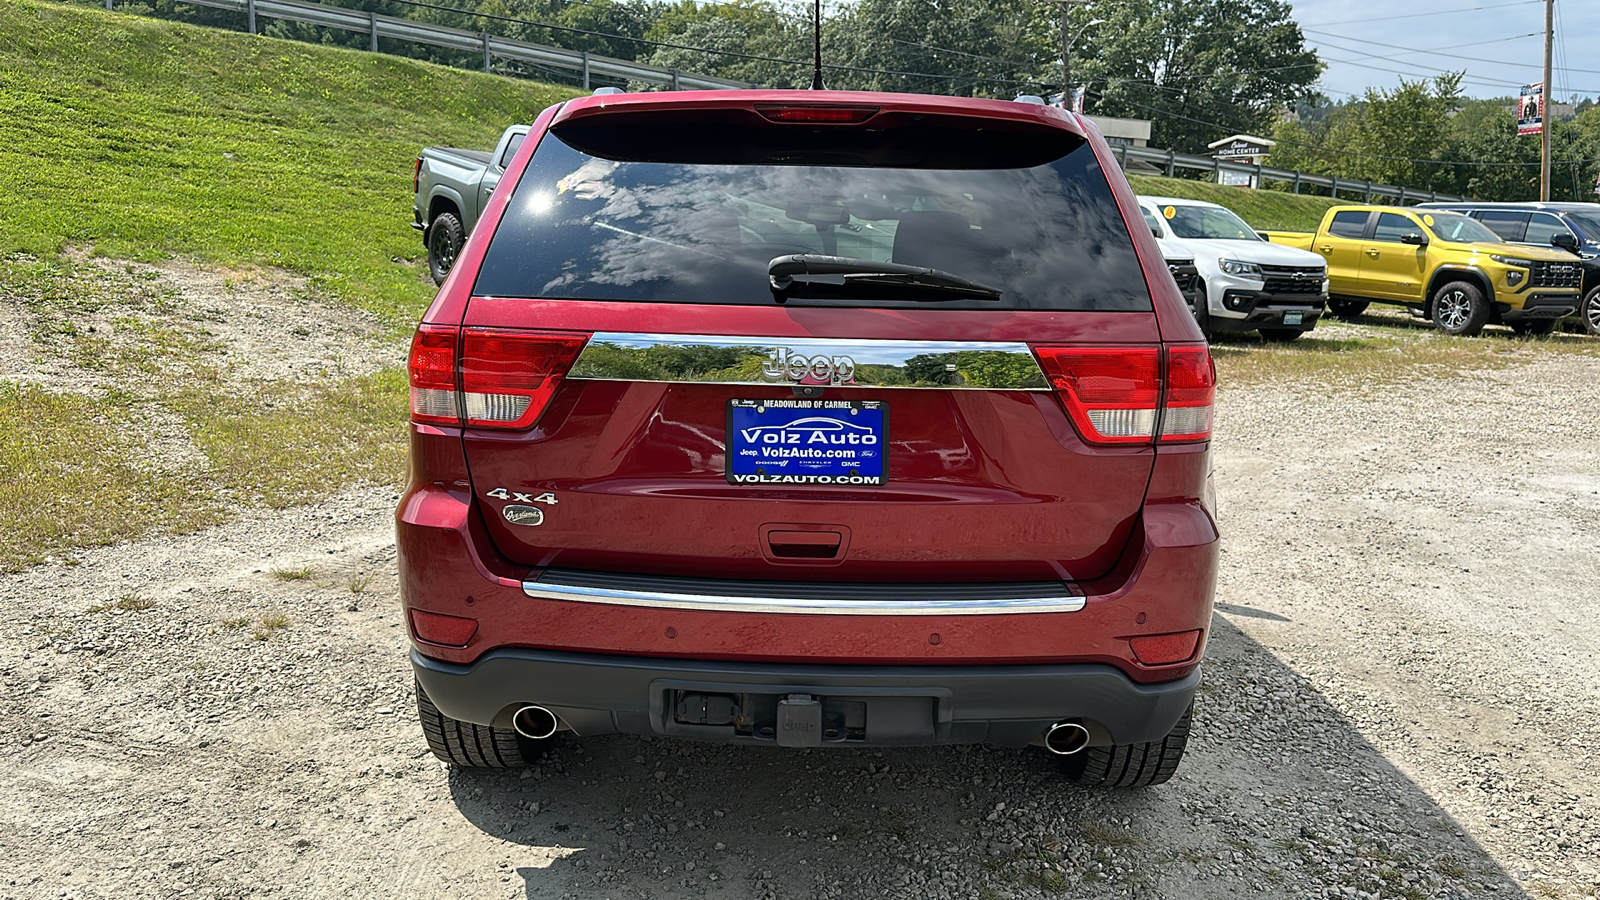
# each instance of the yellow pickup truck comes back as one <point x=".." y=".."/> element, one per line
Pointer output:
<point x="1442" y="266"/>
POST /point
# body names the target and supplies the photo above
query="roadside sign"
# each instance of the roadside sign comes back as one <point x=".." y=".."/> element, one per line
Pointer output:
<point x="1530" y="109"/>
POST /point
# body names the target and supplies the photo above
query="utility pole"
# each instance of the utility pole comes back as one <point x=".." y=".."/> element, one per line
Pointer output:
<point x="1066" y="52"/>
<point x="1549" y="106"/>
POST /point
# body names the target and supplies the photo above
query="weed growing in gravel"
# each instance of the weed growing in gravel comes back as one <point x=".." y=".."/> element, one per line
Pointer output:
<point x="1103" y="835"/>
<point x="269" y="626"/>
<point x="360" y="583"/>
<point x="1450" y="867"/>
<point x="129" y="603"/>
<point x="235" y="623"/>
<point x="304" y="573"/>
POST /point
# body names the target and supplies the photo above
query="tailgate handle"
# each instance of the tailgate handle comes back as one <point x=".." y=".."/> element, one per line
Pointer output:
<point x="804" y="544"/>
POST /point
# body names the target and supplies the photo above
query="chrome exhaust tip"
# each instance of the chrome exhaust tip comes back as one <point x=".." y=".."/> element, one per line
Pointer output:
<point x="1066" y="738"/>
<point x="535" y="722"/>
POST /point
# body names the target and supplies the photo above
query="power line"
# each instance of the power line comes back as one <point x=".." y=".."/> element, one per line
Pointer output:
<point x="1501" y="62"/>
<point x="1442" y="12"/>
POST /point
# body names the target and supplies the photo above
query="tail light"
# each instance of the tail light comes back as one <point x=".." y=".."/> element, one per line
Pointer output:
<point x="507" y="376"/>
<point x="416" y="176"/>
<point x="1191" y="390"/>
<point x="1114" y="395"/>
<point x="433" y="375"/>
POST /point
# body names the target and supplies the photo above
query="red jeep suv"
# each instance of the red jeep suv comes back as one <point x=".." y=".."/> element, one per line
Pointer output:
<point x="811" y="419"/>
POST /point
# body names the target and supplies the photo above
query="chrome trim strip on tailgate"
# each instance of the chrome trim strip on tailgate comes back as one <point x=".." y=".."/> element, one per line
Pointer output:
<point x="720" y="359"/>
<point x="806" y="606"/>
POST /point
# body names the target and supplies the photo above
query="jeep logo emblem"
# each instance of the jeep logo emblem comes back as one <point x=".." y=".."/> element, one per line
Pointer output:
<point x="782" y="365"/>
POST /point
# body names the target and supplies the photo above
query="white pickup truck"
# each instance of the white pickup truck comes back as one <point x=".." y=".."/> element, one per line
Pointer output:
<point x="452" y="188"/>
<point x="1245" y="283"/>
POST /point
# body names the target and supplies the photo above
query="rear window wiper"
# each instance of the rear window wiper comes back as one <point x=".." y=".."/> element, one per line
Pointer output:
<point x="844" y="277"/>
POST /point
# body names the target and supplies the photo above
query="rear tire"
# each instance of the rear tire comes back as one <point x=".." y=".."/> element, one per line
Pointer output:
<point x="1280" y="335"/>
<point x="445" y="237"/>
<point x="1132" y="765"/>
<point x="1346" y="309"/>
<point x="471" y="746"/>
<point x="1202" y="308"/>
<point x="1535" y="327"/>
<point x="1459" y="309"/>
<point x="1589" y="312"/>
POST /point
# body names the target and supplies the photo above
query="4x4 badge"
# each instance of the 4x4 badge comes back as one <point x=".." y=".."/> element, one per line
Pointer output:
<point x="501" y="493"/>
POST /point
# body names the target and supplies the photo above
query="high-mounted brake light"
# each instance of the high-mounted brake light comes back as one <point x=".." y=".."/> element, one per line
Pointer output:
<point x="507" y="375"/>
<point x="835" y="115"/>
<point x="1114" y="395"/>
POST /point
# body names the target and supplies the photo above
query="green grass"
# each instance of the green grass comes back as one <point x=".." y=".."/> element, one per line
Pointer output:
<point x="145" y="138"/>
<point x="1263" y="210"/>
<point x="68" y="478"/>
<point x="1385" y="347"/>
<point x="287" y="445"/>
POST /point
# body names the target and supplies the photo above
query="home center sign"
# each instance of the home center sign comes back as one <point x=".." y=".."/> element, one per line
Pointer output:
<point x="1240" y="148"/>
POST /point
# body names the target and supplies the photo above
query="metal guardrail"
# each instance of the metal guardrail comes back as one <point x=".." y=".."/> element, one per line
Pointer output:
<point x="1170" y="162"/>
<point x="362" y="22"/>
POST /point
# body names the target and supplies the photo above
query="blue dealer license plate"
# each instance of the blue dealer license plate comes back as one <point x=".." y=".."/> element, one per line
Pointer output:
<point x="800" y="441"/>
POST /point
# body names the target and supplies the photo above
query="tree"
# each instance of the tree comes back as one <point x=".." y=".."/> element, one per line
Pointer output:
<point x="743" y="41"/>
<point x="1199" y="69"/>
<point x="990" y="48"/>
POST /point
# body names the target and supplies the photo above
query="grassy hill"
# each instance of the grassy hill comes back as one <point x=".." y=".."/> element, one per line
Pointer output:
<point x="1264" y="210"/>
<point x="144" y="138"/>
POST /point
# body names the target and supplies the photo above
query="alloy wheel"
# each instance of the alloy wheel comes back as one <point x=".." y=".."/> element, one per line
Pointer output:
<point x="1454" y="309"/>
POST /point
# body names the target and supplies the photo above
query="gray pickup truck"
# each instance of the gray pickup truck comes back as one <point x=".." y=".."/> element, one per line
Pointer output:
<point x="453" y="187"/>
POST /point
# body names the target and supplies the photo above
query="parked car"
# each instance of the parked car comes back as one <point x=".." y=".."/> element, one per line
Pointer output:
<point x="1247" y="284"/>
<point x="811" y="419"/>
<point x="1180" y="263"/>
<point x="452" y="187"/>
<point x="1442" y="266"/>
<point x="1574" y="227"/>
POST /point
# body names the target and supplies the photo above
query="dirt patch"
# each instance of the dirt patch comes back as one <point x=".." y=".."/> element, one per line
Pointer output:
<point x="91" y="325"/>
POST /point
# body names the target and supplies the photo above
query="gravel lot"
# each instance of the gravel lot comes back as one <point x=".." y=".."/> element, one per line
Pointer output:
<point x="1399" y="702"/>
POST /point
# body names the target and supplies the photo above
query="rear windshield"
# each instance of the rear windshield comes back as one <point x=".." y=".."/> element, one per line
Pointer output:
<point x="588" y="226"/>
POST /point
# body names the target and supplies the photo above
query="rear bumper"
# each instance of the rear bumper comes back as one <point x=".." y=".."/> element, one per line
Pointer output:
<point x="861" y="705"/>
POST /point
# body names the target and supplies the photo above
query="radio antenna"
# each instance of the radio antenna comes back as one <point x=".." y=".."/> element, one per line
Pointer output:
<point x="816" y="36"/>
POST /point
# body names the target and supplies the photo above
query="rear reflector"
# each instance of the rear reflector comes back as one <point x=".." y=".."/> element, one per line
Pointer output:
<point x="1114" y="394"/>
<point x="507" y="375"/>
<point x="836" y="115"/>
<point x="435" y="628"/>
<point x="1165" y="649"/>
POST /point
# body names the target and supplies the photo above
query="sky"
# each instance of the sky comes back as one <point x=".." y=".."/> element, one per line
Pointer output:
<point x="1500" y="44"/>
